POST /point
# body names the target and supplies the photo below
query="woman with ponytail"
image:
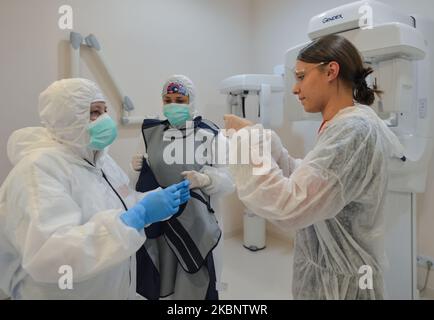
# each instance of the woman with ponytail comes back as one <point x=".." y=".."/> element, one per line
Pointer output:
<point x="334" y="197"/>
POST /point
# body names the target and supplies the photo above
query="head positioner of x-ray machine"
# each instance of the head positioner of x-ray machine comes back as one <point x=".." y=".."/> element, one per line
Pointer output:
<point x="400" y="48"/>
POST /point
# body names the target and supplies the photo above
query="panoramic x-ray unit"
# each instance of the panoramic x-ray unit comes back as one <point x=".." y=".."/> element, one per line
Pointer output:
<point x="238" y="88"/>
<point x="400" y="49"/>
<point x="91" y="41"/>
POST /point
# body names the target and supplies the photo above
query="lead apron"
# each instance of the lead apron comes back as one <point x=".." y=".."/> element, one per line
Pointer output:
<point x="177" y="255"/>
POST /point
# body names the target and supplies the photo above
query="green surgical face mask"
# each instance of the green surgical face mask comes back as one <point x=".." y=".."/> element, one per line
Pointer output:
<point x="102" y="132"/>
<point x="177" y="113"/>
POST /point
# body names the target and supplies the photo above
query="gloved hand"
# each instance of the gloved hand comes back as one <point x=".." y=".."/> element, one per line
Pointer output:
<point x="236" y="123"/>
<point x="137" y="161"/>
<point x="157" y="206"/>
<point x="134" y="217"/>
<point x="197" y="179"/>
<point x="183" y="188"/>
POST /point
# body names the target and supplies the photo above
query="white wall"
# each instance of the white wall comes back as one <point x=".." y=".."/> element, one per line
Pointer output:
<point x="282" y="24"/>
<point x="144" y="41"/>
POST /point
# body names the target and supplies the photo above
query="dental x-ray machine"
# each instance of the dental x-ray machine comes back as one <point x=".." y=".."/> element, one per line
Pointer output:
<point x="238" y="88"/>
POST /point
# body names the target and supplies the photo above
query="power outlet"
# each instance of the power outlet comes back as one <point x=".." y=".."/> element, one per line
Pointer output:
<point x="423" y="261"/>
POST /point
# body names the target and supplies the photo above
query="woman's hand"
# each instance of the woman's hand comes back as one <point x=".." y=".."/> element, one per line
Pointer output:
<point x="236" y="123"/>
<point x="137" y="161"/>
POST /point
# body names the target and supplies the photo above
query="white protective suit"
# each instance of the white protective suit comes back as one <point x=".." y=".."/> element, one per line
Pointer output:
<point x="57" y="210"/>
<point x="335" y="198"/>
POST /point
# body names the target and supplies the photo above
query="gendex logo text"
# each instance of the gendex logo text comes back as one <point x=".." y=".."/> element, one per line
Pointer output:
<point x="336" y="17"/>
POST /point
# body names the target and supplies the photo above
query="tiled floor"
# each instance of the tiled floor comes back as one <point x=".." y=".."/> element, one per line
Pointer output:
<point x="264" y="274"/>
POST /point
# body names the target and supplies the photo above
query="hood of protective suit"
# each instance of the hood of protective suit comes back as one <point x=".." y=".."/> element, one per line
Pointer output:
<point x="64" y="109"/>
<point x="182" y="82"/>
<point x="24" y="141"/>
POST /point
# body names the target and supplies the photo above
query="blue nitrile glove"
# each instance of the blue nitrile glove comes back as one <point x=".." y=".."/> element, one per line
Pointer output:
<point x="134" y="216"/>
<point x="185" y="196"/>
<point x="155" y="206"/>
<point x="161" y="204"/>
<point x="183" y="188"/>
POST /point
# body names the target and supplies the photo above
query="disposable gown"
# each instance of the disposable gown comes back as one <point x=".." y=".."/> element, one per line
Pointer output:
<point x="334" y="198"/>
